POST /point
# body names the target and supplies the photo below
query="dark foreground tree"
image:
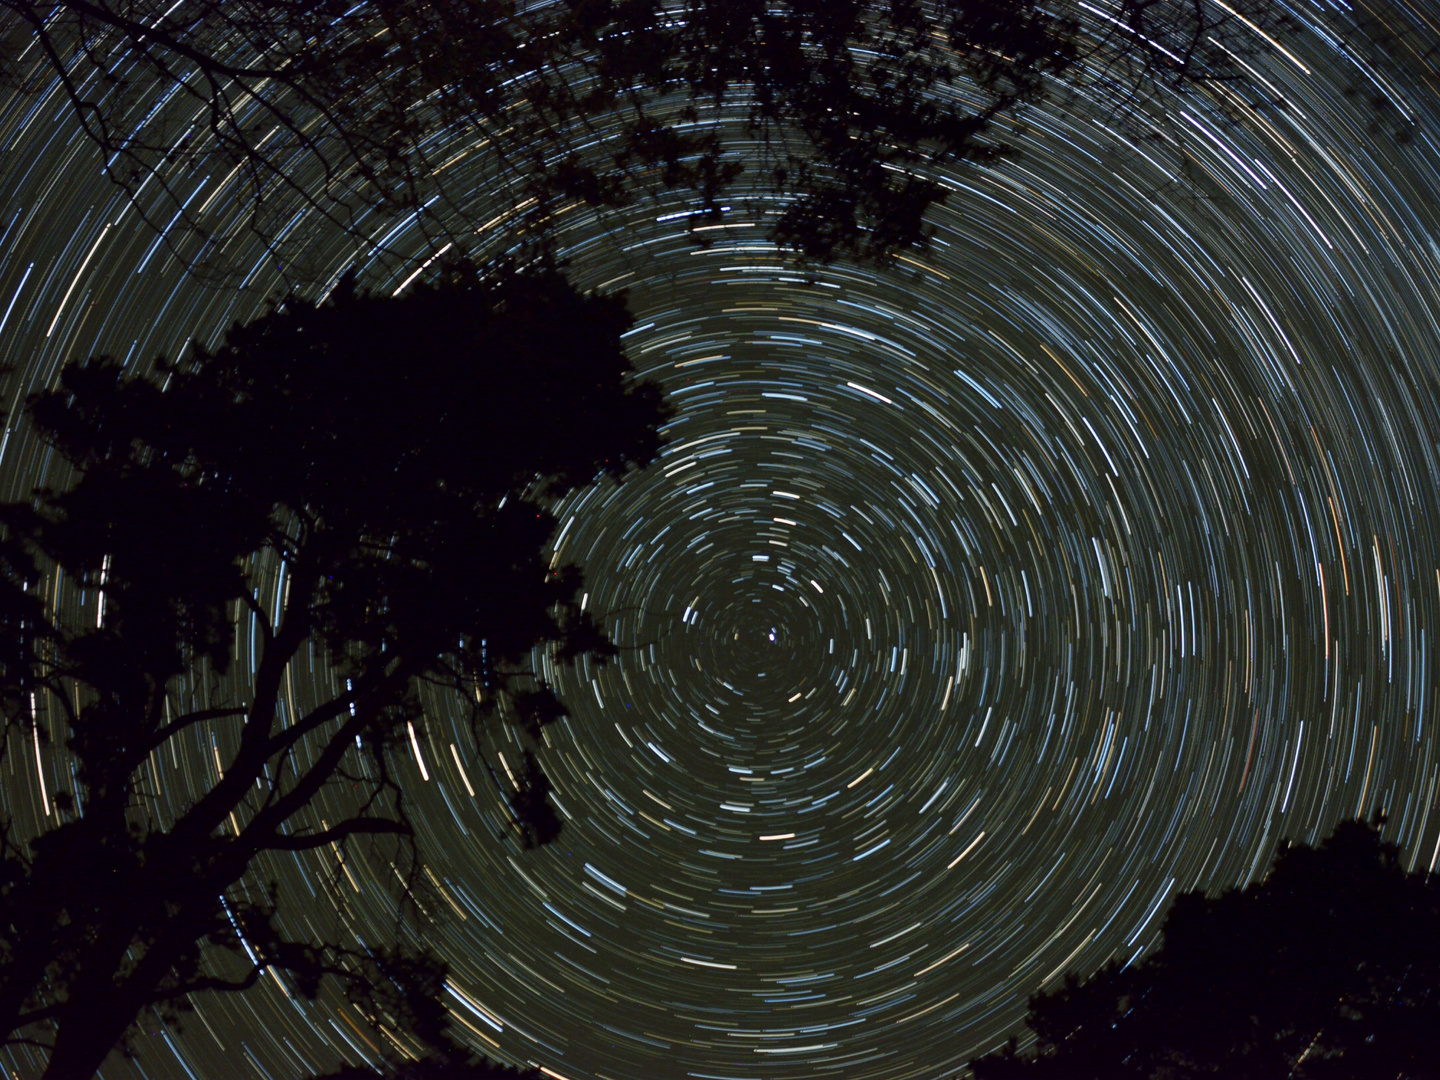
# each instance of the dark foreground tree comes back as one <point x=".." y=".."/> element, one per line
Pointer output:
<point x="433" y="1069"/>
<point x="839" y="107"/>
<point x="275" y="556"/>
<point x="1329" y="969"/>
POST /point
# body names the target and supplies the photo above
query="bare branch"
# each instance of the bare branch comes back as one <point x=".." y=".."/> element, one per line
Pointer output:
<point x="267" y="632"/>
<point x="188" y="720"/>
<point x="338" y="834"/>
<point x="204" y="983"/>
<point x="17" y="1040"/>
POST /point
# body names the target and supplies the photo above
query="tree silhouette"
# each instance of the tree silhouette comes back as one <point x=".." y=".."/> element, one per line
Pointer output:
<point x="1329" y="969"/>
<point x="440" y="1070"/>
<point x="347" y="108"/>
<point x="275" y="555"/>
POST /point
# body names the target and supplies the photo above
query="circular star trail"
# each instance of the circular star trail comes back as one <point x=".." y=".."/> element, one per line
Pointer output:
<point x="976" y="607"/>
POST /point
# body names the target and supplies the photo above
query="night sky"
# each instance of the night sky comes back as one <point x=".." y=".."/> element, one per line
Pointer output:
<point x="976" y="608"/>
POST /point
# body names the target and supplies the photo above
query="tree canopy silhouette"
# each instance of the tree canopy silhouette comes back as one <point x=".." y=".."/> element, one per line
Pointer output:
<point x="439" y="1070"/>
<point x="1328" y="969"/>
<point x="281" y="553"/>
<point x="837" y="106"/>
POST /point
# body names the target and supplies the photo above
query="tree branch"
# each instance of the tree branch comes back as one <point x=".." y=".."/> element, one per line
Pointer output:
<point x="181" y="723"/>
<point x="353" y="827"/>
<point x="316" y="718"/>
<point x="210" y="982"/>
<point x="36" y="1015"/>
<point x="259" y="612"/>
<point x="16" y="1040"/>
<point x="215" y="805"/>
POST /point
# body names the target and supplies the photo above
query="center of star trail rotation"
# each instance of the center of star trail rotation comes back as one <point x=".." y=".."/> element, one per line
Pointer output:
<point x="975" y="608"/>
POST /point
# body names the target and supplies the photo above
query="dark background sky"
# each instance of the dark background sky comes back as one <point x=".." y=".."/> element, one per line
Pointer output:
<point x="975" y="609"/>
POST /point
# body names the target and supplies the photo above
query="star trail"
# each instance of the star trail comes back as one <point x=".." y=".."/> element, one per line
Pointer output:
<point x="977" y="606"/>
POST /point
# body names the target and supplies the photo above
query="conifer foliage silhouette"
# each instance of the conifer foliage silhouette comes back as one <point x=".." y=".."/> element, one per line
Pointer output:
<point x="267" y="565"/>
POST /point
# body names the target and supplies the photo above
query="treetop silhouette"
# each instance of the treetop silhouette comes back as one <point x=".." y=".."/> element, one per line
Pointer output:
<point x="288" y="549"/>
<point x="1328" y="969"/>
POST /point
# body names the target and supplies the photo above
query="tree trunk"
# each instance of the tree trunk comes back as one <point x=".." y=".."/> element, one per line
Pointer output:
<point x="86" y="1037"/>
